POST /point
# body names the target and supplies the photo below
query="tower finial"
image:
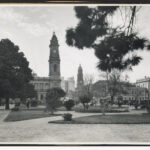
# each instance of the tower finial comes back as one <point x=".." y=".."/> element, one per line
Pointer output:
<point x="53" y="32"/>
<point x="80" y="67"/>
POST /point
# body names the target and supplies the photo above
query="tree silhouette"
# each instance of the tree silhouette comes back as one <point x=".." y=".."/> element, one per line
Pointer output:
<point x="114" y="46"/>
<point x="14" y="70"/>
<point x="53" y="98"/>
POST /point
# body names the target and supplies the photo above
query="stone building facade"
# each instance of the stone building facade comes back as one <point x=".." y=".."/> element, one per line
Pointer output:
<point x="42" y="84"/>
<point x="144" y="83"/>
<point x="132" y="92"/>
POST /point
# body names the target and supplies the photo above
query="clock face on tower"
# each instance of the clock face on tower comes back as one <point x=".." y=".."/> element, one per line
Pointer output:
<point x="54" y="51"/>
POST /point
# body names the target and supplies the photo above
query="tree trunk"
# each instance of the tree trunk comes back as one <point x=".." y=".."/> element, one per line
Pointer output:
<point x="103" y="110"/>
<point x="84" y="106"/>
<point x="7" y="104"/>
<point x="0" y="102"/>
<point x="52" y="112"/>
<point x="107" y="84"/>
<point x="112" y="99"/>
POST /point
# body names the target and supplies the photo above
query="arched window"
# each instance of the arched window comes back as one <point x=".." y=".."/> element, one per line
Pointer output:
<point x="55" y="68"/>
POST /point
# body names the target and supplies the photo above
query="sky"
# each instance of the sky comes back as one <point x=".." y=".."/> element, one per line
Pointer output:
<point x="31" y="28"/>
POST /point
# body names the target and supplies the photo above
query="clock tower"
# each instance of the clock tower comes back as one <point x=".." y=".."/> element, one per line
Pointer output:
<point x="54" y="63"/>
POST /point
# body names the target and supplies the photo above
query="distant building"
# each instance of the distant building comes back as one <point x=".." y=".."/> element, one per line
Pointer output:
<point x="68" y="86"/>
<point x="42" y="84"/>
<point x="71" y="84"/>
<point x="135" y="93"/>
<point x="132" y="92"/>
<point x="144" y="83"/>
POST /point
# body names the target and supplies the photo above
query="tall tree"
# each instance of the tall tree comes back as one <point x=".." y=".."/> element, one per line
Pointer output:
<point x="84" y="99"/>
<point x="27" y="91"/>
<point x="116" y="84"/>
<point x="53" y="98"/>
<point x="114" y="46"/>
<point x="14" y="70"/>
<point x="88" y="83"/>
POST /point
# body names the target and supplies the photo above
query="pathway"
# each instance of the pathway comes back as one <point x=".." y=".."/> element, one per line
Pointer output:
<point x="40" y="131"/>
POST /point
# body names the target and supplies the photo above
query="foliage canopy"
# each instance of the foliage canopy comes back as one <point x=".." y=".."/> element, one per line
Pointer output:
<point x="114" y="46"/>
<point x="53" y="98"/>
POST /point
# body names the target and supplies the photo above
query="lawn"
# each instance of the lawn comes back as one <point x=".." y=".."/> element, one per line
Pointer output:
<point x="109" y="119"/>
<point x="26" y="115"/>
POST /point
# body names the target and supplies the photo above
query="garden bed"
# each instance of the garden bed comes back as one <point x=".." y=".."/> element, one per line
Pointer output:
<point x="26" y="115"/>
<point x="109" y="119"/>
<point x="94" y="109"/>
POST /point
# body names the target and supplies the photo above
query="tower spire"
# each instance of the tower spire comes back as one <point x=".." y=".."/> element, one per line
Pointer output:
<point x="80" y="82"/>
<point x="54" y="59"/>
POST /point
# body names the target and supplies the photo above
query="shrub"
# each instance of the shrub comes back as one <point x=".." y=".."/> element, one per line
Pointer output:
<point x="148" y="107"/>
<point x="85" y="100"/>
<point x="16" y="108"/>
<point x="53" y="97"/>
<point x="17" y="102"/>
<point x="120" y="101"/>
<point x="34" y="103"/>
<point x="67" y="117"/>
<point x="22" y="106"/>
<point x="136" y="104"/>
<point x="69" y="104"/>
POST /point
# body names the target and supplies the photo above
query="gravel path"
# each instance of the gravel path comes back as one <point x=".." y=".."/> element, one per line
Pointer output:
<point x="40" y="131"/>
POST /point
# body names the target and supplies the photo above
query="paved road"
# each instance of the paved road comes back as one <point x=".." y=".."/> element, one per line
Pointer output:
<point x="39" y="131"/>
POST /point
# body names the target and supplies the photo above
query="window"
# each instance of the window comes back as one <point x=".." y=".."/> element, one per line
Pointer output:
<point x="55" y="68"/>
<point x="41" y="97"/>
<point x="46" y="85"/>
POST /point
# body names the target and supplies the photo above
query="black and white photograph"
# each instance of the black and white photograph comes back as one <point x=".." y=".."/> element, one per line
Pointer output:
<point x="75" y="74"/>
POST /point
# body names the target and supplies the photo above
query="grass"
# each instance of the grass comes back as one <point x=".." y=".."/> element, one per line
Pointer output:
<point x="109" y="119"/>
<point x="26" y="115"/>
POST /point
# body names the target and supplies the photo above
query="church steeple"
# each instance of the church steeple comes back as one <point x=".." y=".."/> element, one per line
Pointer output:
<point x="54" y="40"/>
<point x="80" y="81"/>
<point x="54" y="59"/>
<point x="54" y="52"/>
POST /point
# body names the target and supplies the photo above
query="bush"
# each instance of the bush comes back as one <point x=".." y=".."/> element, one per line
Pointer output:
<point x="69" y="104"/>
<point x="148" y="107"/>
<point x="67" y="117"/>
<point x="17" y="102"/>
<point x="120" y="101"/>
<point x="34" y="103"/>
<point x="85" y="99"/>
<point x="53" y="97"/>
<point x="2" y="102"/>
<point x="136" y="104"/>
<point x="16" y="108"/>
